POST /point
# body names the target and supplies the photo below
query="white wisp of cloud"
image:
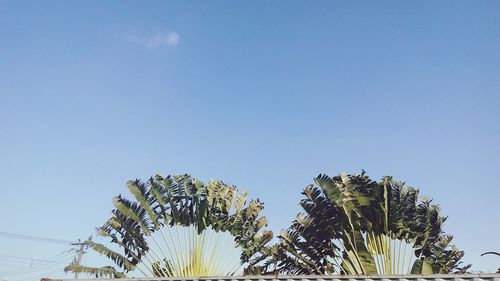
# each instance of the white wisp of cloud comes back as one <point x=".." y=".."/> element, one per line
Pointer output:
<point x="168" y="39"/>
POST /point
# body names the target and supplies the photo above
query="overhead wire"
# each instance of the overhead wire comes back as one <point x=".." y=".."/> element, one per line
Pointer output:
<point x="36" y="275"/>
<point x="34" y="238"/>
<point x="44" y="274"/>
<point x="55" y="260"/>
<point x="38" y="272"/>
<point x="20" y="259"/>
<point x="22" y="271"/>
<point x="36" y="266"/>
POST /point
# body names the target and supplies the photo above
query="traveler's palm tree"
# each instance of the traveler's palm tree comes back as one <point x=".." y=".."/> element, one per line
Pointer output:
<point x="353" y="225"/>
<point x="176" y="226"/>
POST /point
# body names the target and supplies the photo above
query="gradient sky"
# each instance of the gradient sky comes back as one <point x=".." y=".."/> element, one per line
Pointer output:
<point x="261" y="94"/>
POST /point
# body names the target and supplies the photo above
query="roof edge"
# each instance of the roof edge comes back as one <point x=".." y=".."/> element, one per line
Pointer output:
<point x="465" y="276"/>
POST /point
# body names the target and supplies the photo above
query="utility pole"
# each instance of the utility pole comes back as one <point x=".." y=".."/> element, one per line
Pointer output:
<point x="79" y="254"/>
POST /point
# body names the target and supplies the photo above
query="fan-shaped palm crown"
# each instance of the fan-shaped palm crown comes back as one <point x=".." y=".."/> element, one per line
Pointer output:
<point x="354" y="225"/>
<point x="178" y="226"/>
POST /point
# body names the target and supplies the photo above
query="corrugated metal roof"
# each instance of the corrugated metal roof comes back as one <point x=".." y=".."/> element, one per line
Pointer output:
<point x="437" y="277"/>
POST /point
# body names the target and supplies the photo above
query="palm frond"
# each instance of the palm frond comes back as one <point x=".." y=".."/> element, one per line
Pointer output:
<point x="178" y="226"/>
<point x="106" y="271"/>
<point x="354" y="225"/>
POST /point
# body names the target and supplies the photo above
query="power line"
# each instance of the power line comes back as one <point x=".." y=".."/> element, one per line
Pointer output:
<point x="38" y="272"/>
<point x="21" y="273"/>
<point x="65" y="256"/>
<point x="34" y="268"/>
<point x="39" y="275"/>
<point x="34" y="238"/>
<point x="45" y="274"/>
<point x="19" y="259"/>
<point x="50" y="266"/>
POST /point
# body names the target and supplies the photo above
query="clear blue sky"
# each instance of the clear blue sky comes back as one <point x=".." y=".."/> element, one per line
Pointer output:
<point x="261" y="94"/>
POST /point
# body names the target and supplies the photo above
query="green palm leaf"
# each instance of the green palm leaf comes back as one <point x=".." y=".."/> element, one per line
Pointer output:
<point x="179" y="226"/>
<point x="106" y="271"/>
<point x="354" y="225"/>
